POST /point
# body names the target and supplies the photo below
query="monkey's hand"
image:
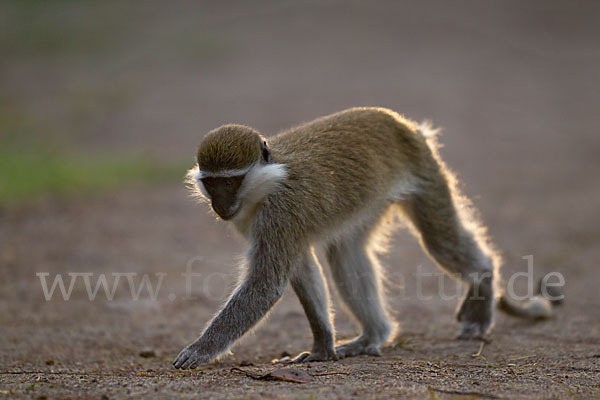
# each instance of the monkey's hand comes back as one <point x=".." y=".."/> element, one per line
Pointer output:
<point x="247" y="305"/>
<point x="193" y="355"/>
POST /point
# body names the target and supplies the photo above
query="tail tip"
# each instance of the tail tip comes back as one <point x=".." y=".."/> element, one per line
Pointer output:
<point x="536" y="307"/>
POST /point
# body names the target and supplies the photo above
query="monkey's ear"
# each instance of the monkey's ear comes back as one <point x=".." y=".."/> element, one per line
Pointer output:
<point x="266" y="152"/>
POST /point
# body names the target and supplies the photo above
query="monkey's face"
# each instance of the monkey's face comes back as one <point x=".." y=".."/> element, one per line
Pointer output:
<point x="235" y="171"/>
<point x="223" y="192"/>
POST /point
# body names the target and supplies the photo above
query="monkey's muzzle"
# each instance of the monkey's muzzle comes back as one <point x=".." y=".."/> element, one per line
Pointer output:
<point x="225" y="212"/>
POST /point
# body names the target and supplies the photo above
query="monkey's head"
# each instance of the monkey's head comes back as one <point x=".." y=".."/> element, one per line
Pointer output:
<point x="234" y="168"/>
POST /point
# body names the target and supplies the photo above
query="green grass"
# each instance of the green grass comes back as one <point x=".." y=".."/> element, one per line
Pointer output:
<point x="33" y="174"/>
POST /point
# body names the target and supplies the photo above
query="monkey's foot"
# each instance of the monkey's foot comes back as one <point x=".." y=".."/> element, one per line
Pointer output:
<point x="475" y="314"/>
<point x="321" y="355"/>
<point x="357" y="347"/>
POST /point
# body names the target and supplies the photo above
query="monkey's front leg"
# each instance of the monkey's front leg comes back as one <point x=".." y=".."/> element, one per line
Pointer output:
<point x="248" y="304"/>
<point x="309" y="285"/>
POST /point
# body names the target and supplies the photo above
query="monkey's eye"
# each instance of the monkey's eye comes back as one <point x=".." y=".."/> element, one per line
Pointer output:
<point x="234" y="181"/>
<point x="208" y="181"/>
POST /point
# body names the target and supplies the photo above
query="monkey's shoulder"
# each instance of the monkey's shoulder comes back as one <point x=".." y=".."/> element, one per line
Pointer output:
<point x="348" y="131"/>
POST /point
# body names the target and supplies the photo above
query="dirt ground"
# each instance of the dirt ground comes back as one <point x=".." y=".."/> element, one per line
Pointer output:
<point x="514" y="84"/>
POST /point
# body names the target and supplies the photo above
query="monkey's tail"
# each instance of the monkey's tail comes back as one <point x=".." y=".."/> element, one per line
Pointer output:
<point x="538" y="307"/>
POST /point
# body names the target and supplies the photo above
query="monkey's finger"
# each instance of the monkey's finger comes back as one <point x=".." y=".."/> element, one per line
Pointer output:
<point x="301" y="357"/>
<point x="185" y="364"/>
<point x="181" y="358"/>
<point x="189" y="362"/>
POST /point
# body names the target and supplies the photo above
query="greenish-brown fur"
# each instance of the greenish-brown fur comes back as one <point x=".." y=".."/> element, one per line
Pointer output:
<point x="228" y="147"/>
<point x="337" y="164"/>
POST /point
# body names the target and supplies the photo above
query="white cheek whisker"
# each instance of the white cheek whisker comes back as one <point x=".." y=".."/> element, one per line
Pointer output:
<point x="194" y="184"/>
<point x="260" y="181"/>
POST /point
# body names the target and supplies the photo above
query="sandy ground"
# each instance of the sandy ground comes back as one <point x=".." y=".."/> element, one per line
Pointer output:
<point x="515" y="86"/>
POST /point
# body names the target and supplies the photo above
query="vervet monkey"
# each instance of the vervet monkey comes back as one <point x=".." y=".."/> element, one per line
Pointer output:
<point x="335" y="182"/>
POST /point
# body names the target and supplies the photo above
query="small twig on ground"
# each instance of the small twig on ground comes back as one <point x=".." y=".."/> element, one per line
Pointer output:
<point x="280" y="374"/>
<point x="521" y="358"/>
<point x="248" y="374"/>
<point x="286" y="374"/>
<point x="461" y="393"/>
<point x="331" y="373"/>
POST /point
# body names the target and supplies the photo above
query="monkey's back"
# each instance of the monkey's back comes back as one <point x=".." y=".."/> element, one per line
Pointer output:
<point x="340" y="162"/>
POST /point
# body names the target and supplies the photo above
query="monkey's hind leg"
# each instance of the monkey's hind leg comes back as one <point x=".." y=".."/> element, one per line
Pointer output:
<point x="356" y="272"/>
<point x="455" y="240"/>
<point x="309" y="285"/>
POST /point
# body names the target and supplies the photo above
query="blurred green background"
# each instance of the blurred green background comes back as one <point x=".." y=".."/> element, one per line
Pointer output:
<point x="58" y="102"/>
<point x="96" y="95"/>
